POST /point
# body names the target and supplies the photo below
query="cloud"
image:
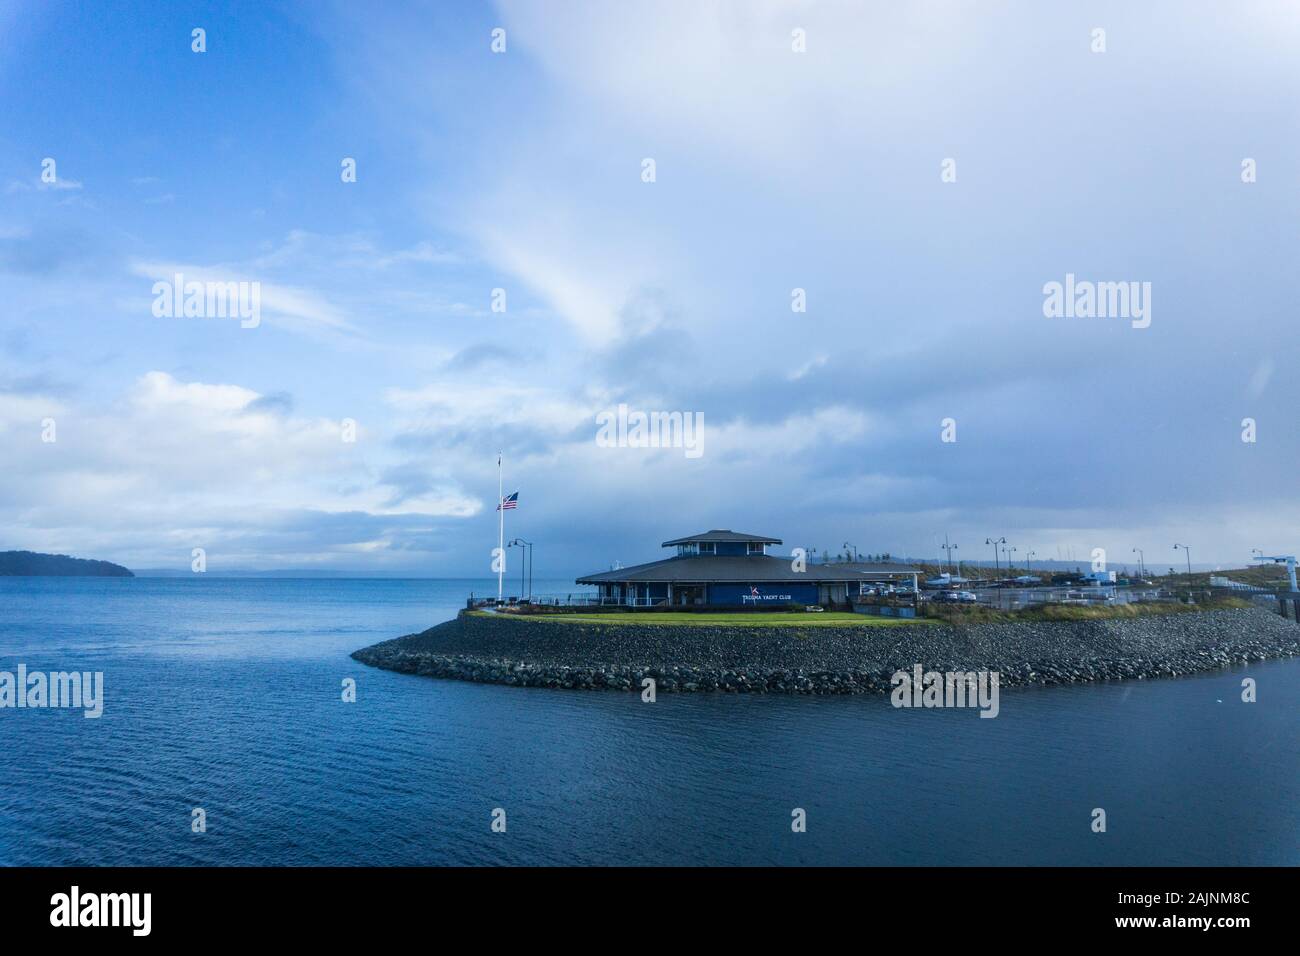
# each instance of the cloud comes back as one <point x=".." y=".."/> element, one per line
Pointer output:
<point x="194" y="464"/>
<point x="40" y="185"/>
<point x="484" y="354"/>
<point x="296" y="309"/>
<point x="775" y="171"/>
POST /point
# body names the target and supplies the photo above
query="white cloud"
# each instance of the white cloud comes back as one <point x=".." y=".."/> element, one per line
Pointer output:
<point x="296" y="309"/>
<point x="195" y="461"/>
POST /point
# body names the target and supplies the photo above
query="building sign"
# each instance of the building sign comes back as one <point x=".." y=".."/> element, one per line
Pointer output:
<point x="762" y="595"/>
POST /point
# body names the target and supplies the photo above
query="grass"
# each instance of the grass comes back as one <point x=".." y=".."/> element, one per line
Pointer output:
<point x="756" y="619"/>
<point x="935" y="615"/>
<point x="1079" y="612"/>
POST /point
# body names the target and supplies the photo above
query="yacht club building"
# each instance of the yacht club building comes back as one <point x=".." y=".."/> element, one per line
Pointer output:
<point x="730" y="569"/>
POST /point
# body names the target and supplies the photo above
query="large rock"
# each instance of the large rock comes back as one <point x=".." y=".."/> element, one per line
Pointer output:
<point x="829" y="659"/>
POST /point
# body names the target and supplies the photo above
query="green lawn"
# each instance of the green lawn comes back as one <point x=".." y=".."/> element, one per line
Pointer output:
<point x="957" y="614"/>
<point x="757" y="619"/>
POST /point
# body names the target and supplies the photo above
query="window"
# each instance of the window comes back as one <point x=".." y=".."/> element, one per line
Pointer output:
<point x="708" y="547"/>
<point x="755" y="547"/>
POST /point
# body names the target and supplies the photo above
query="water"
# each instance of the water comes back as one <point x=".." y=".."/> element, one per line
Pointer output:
<point x="225" y="694"/>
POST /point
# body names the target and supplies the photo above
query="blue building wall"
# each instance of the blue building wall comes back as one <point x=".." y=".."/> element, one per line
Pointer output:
<point x="768" y="594"/>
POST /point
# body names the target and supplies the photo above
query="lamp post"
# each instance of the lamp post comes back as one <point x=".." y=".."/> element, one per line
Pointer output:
<point x="851" y="549"/>
<point x="995" y="542"/>
<point x="1188" y="552"/>
<point x="1008" y="552"/>
<point x="521" y="544"/>
<point x="530" y="568"/>
<point x="1142" y="569"/>
<point x="516" y="543"/>
<point x="1029" y="557"/>
<point x="949" y="549"/>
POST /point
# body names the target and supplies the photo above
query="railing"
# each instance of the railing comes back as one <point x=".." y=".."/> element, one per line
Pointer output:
<point x="1010" y="599"/>
<point x="889" y="604"/>
<point x="579" y="599"/>
<point x="1218" y="581"/>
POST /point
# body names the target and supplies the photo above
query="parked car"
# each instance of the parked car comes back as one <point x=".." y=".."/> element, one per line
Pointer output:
<point x="956" y="597"/>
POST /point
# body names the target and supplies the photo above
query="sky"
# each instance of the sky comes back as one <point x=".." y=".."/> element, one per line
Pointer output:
<point x="921" y="171"/>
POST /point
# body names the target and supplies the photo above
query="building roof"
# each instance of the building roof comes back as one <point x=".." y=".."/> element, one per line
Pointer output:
<point x="721" y="534"/>
<point x="748" y="569"/>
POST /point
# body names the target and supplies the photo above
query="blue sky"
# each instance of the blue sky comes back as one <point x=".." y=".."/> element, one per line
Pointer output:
<point x="521" y="171"/>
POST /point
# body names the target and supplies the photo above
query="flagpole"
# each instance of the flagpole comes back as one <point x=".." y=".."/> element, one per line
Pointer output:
<point x="501" y="531"/>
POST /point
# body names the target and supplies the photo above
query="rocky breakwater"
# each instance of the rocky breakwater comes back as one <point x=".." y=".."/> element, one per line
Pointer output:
<point x="828" y="659"/>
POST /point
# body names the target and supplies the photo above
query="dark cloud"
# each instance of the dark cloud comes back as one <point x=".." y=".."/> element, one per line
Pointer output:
<point x="274" y="403"/>
<point x="477" y="356"/>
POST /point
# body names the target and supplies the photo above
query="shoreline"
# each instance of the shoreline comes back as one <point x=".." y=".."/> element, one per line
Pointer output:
<point x="829" y="660"/>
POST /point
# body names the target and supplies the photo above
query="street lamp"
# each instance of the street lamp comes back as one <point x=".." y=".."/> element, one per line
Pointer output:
<point x="851" y="549"/>
<point x="1008" y="552"/>
<point x="521" y="544"/>
<point x="948" y="549"/>
<point x="1142" y="568"/>
<point x="1029" y="558"/>
<point x="1188" y="551"/>
<point x="515" y="543"/>
<point x="995" y="542"/>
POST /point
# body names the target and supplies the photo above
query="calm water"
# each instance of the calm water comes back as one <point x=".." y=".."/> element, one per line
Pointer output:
<point x="225" y="694"/>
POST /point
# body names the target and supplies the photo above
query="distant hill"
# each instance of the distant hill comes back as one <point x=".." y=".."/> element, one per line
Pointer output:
<point x="31" y="564"/>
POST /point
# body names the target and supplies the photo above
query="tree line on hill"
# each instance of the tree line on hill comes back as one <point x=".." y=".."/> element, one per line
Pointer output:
<point x="32" y="564"/>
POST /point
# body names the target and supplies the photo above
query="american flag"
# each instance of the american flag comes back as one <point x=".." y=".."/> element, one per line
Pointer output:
<point x="509" y="502"/>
